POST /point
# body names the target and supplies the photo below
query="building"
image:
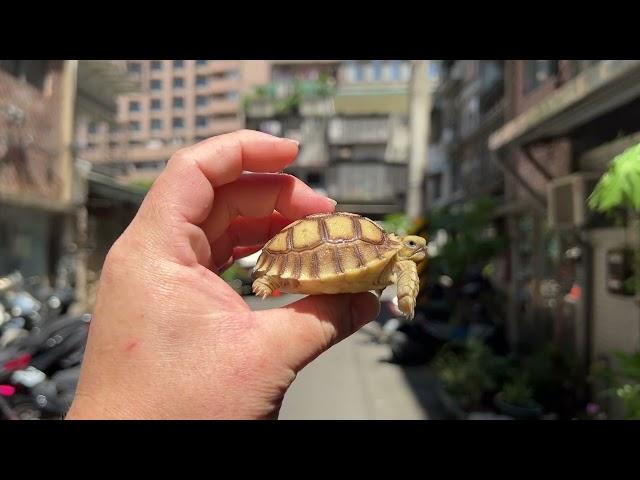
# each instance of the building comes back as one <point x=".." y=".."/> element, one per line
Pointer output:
<point x="566" y="120"/>
<point x="297" y="102"/>
<point x="181" y="102"/>
<point x="468" y="105"/>
<point x="43" y="188"/>
<point x="351" y="118"/>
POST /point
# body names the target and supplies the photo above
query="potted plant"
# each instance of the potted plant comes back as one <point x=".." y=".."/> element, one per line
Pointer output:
<point x="516" y="400"/>
<point x="470" y="374"/>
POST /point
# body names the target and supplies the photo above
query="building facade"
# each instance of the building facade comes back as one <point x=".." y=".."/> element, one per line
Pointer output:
<point x="352" y="119"/>
<point x="43" y="188"/>
<point x="566" y="120"/>
<point x="180" y="102"/>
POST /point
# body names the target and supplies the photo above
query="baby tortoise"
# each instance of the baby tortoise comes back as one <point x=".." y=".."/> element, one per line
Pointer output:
<point x="340" y="253"/>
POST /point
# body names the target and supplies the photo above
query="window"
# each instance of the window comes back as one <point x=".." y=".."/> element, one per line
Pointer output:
<point x="156" y="84"/>
<point x="134" y="67"/>
<point x="178" y="64"/>
<point x="395" y="70"/>
<point x="536" y="72"/>
<point x="134" y="106"/>
<point x="134" y="126"/>
<point x="232" y="96"/>
<point x="156" y="124"/>
<point x="33" y="72"/>
<point x="405" y="71"/>
<point x="156" y="104"/>
<point x="376" y="66"/>
<point x="178" y="82"/>
<point x="178" y="102"/>
<point x="201" y="62"/>
<point x="113" y="144"/>
<point x="178" y="122"/>
<point x="359" y="70"/>
<point x="93" y="127"/>
<point x="156" y="65"/>
<point x="201" y="121"/>
<point x="233" y="75"/>
<point x="201" y="100"/>
<point x="201" y="80"/>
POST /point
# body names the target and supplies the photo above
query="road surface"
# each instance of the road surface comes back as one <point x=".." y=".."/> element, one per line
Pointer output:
<point x="353" y="381"/>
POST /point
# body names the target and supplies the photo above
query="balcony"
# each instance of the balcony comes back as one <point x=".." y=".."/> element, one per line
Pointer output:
<point x="223" y="85"/>
<point x="367" y="187"/>
<point x="317" y="107"/>
<point x="99" y="82"/>
<point x="353" y="131"/>
<point x="224" y="106"/>
<point x="220" y="126"/>
<point x="372" y="99"/>
<point x="307" y="99"/>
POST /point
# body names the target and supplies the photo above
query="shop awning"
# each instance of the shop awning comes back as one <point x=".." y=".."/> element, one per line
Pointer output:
<point x="597" y="90"/>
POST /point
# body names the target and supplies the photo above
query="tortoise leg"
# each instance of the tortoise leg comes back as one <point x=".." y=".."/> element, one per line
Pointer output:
<point x="408" y="284"/>
<point x="264" y="286"/>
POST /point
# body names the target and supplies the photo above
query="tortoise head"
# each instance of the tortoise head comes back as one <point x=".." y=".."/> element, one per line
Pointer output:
<point x="413" y="248"/>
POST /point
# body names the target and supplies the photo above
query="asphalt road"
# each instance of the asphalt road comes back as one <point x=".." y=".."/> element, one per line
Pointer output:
<point x="353" y="380"/>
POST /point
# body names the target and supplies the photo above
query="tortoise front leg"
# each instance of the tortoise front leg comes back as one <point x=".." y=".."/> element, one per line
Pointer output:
<point x="265" y="285"/>
<point x="408" y="284"/>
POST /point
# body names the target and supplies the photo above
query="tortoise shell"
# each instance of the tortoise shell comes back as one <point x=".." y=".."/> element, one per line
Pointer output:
<point x="326" y="248"/>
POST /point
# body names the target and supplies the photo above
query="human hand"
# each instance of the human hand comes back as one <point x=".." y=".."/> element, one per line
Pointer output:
<point x="169" y="338"/>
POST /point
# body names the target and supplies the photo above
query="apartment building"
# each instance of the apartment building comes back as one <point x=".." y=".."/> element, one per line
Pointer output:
<point x="180" y="102"/>
<point x="43" y="191"/>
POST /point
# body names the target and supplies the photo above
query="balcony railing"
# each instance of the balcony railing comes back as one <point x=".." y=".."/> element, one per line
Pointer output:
<point x="366" y="182"/>
<point x="309" y="98"/>
<point x="343" y="131"/>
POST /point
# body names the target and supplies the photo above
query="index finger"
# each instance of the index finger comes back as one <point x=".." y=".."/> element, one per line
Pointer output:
<point x="185" y="188"/>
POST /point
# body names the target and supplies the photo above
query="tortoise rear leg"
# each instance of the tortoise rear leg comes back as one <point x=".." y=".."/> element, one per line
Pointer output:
<point x="408" y="285"/>
<point x="265" y="285"/>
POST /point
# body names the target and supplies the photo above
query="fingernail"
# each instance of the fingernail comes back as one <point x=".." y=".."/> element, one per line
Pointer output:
<point x="294" y="141"/>
<point x="365" y="308"/>
<point x="333" y="202"/>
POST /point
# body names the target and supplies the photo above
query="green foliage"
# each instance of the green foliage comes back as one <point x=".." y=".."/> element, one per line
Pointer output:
<point x="619" y="187"/>
<point x="471" y="373"/>
<point x="517" y="393"/>
<point x="143" y="184"/>
<point x="621" y="381"/>
<point x="290" y="104"/>
<point x="397" y="223"/>
<point x="471" y="241"/>
<point x="619" y="190"/>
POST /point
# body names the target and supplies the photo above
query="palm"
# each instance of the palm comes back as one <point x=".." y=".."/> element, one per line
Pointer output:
<point x="170" y="338"/>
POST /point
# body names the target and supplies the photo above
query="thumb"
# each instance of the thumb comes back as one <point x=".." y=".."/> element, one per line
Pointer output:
<point x="306" y="328"/>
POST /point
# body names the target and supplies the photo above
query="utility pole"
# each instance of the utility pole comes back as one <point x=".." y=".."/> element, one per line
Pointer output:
<point x="419" y="119"/>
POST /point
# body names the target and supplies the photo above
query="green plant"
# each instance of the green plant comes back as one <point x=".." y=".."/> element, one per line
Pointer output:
<point x="471" y="240"/>
<point x="621" y="380"/>
<point x="517" y="393"/>
<point x="471" y="373"/>
<point x="143" y="184"/>
<point x="398" y="223"/>
<point x="620" y="185"/>
<point x="617" y="191"/>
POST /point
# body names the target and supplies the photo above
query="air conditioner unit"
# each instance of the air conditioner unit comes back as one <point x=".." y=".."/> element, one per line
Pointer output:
<point x="567" y="199"/>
